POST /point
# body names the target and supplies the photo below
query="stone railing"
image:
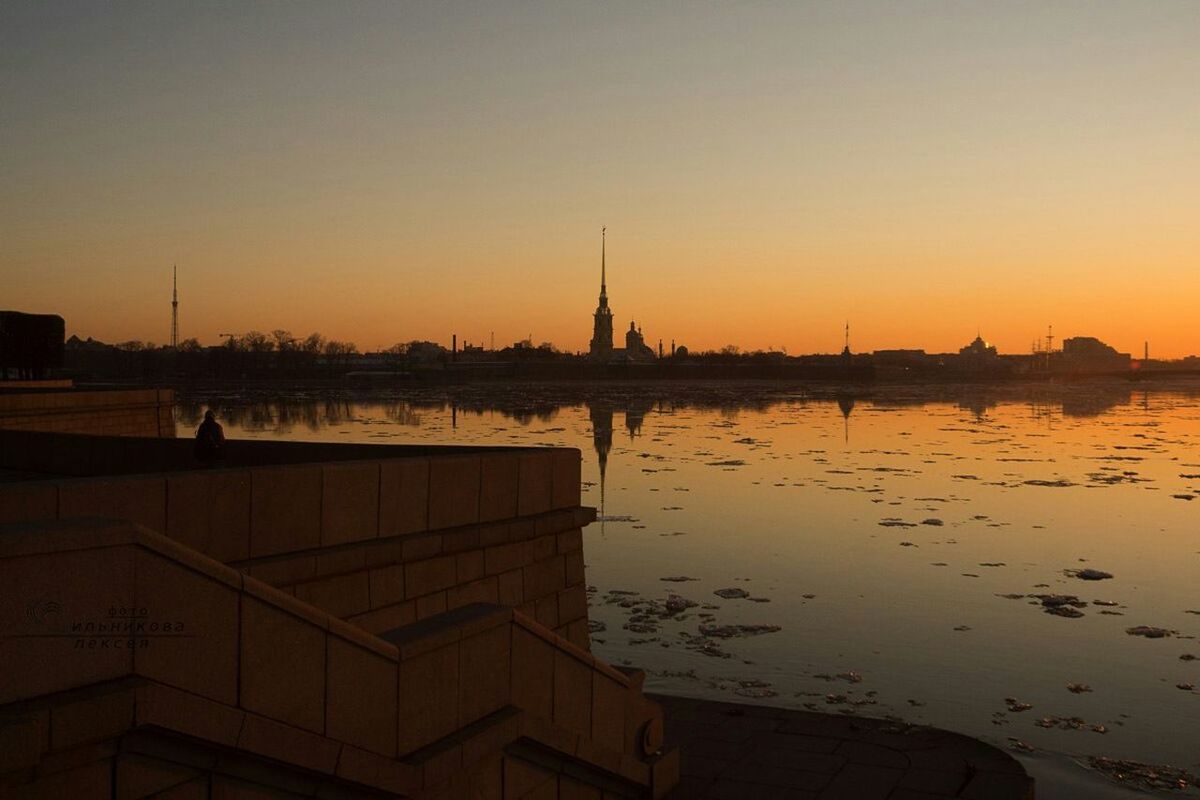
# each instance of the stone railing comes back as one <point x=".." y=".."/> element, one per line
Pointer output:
<point x="119" y="641"/>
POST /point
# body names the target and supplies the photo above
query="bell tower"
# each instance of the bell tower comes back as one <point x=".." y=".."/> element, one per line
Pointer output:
<point x="602" y="332"/>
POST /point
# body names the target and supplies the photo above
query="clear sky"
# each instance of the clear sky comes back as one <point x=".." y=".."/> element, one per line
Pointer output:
<point x="388" y="171"/>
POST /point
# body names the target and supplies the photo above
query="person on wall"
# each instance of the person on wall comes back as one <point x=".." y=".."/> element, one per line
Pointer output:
<point x="210" y="439"/>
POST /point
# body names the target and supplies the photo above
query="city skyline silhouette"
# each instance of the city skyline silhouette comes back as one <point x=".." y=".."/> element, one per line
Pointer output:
<point x="404" y="172"/>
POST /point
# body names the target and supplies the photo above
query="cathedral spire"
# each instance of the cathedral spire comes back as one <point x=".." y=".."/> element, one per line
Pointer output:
<point x="602" y="335"/>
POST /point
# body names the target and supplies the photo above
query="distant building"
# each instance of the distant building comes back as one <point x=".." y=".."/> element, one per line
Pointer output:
<point x="1089" y="354"/>
<point x="636" y="348"/>
<point x="980" y="357"/>
<point x="601" y="347"/>
<point x="471" y="352"/>
<point x="978" y="349"/>
<point x="903" y="357"/>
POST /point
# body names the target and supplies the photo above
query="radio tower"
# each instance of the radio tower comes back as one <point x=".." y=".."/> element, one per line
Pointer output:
<point x="174" y="307"/>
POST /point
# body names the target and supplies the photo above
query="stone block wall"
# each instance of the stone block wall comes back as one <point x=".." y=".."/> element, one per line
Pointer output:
<point x="236" y="689"/>
<point x="132" y="412"/>
<point x="380" y="543"/>
<point x="324" y="620"/>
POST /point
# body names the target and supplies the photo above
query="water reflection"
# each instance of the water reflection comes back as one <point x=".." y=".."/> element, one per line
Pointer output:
<point x="635" y="415"/>
<point x="285" y="414"/>
<point x="912" y="553"/>
<point x="845" y="402"/>
<point x="601" y="415"/>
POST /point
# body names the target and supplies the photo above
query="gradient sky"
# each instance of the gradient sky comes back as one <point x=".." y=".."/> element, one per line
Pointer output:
<point x="382" y="172"/>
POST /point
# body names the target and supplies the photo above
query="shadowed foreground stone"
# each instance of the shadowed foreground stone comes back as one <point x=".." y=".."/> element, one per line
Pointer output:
<point x="155" y="664"/>
<point x="308" y="621"/>
<point x="741" y="751"/>
<point x="364" y="622"/>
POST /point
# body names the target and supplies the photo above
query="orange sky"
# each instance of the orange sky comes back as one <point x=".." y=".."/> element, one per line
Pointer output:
<point x="766" y="172"/>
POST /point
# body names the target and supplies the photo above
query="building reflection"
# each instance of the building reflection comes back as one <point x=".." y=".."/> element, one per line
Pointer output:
<point x="283" y="415"/>
<point x="978" y="404"/>
<point x="1094" y="401"/>
<point x="635" y="415"/>
<point x="845" y="402"/>
<point x="601" y="415"/>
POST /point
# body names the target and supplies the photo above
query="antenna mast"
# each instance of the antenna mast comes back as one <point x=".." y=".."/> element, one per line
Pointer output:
<point x="174" y="307"/>
<point x="603" y="271"/>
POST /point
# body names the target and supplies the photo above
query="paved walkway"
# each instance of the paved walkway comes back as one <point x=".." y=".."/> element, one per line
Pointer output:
<point x="741" y="751"/>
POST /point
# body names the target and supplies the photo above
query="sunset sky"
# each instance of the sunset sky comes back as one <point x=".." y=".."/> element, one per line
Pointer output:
<point x="388" y="171"/>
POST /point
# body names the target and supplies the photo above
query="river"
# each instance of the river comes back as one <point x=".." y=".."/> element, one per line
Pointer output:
<point x="933" y="554"/>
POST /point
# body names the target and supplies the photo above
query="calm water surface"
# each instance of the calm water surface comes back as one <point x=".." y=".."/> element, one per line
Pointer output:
<point x="891" y="544"/>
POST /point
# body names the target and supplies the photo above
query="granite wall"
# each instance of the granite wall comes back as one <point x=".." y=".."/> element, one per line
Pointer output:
<point x="380" y="542"/>
<point x="125" y="412"/>
<point x="330" y="621"/>
<point x="146" y="669"/>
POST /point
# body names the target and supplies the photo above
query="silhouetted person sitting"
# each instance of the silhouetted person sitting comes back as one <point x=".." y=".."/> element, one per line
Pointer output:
<point x="210" y="439"/>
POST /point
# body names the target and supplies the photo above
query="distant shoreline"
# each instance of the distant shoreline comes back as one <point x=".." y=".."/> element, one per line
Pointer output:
<point x="853" y="383"/>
